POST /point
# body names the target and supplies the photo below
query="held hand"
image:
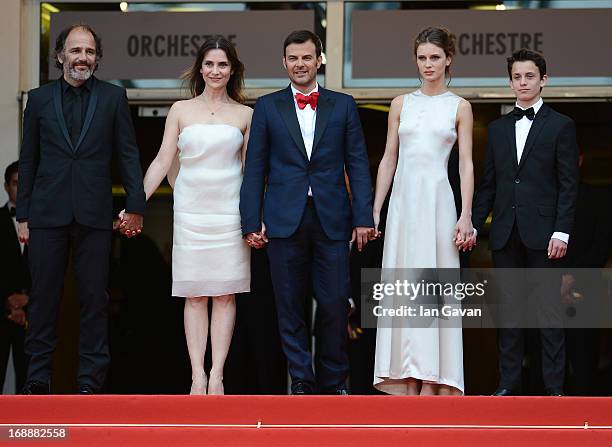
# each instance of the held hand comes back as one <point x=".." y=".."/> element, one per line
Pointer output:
<point x="353" y="332"/>
<point x="375" y="234"/>
<point x="556" y="249"/>
<point x="17" y="316"/>
<point x="117" y="223"/>
<point x="254" y="240"/>
<point x="471" y="242"/>
<point x="361" y="235"/>
<point x="16" y="301"/>
<point x="131" y="224"/>
<point x="464" y="234"/>
<point x="263" y="233"/>
<point x="468" y="244"/>
<point x="23" y="232"/>
<point x="257" y="239"/>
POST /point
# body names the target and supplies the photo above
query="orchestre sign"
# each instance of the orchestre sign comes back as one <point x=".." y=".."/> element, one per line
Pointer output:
<point x="575" y="42"/>
<point x="161" y="45"/>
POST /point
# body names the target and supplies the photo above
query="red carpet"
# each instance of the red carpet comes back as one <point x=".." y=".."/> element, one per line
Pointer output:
<point x="313" y="420"/>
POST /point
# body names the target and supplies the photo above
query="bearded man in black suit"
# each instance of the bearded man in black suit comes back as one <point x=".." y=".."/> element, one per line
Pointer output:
<point x="72" y="128"/>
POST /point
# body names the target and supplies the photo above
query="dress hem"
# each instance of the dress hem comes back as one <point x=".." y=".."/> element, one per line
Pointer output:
<point x="380" y="379"/>
<point x="242" y="288"/>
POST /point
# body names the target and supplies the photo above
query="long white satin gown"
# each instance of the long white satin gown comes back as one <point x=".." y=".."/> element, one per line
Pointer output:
<point x="209" y="256"/>
<point x="419" y="234"/>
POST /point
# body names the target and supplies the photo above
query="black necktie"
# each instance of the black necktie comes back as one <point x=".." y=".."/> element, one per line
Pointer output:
<point x="519" y="113"/>
<point x="77" y="112"/>
<point x="12" y="211"/>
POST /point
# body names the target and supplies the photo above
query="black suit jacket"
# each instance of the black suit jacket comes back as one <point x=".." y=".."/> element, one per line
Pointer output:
<point x="15" y="272"/>
<point x="539" y="193"/>
<point x="59" y="182"/>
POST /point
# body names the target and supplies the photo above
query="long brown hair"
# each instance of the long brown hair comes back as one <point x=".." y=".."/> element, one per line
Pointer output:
<point x="193" y="78"/>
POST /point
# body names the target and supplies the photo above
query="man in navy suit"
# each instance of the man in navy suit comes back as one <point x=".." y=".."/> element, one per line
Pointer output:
<point x="302" y="141"/>
<point x="72" y="127"/>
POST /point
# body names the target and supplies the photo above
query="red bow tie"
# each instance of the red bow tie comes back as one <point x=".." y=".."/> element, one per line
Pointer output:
<point x="303" y="100"/>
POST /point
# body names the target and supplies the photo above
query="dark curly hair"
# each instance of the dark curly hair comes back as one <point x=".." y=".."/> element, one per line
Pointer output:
<point x="60" y="43"/>
<point x="525" y="54"/>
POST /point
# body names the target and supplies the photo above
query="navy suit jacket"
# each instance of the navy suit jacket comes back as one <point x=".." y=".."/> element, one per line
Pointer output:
<point x="278" y="173"/>
<point x="60" y="182"/>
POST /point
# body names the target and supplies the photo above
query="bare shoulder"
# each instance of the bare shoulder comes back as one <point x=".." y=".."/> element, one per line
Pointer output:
<point x="398" y="101"/>
<point x="183" y="103"/>
<point x="464" y="104"/>
<point x="464" y="110"/>
<point x="181" y="111"/>
<point x="397" y="104"/>
<point x="181" y="106"/>
<point x="231" y="113"/>
<point x="243" y="114"/>
<point x="244" y="110"/>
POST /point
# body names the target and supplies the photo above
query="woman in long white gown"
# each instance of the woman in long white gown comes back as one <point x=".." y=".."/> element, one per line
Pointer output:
<point x="422" y="230"/>
<point x="207" y="135"/>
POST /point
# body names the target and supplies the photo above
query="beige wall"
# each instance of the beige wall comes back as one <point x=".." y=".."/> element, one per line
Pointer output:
<point x="9" y="86"/>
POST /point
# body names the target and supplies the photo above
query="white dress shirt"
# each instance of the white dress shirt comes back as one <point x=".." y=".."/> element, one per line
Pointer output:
<point x="522" y="128"/>
<point x="12" y="205"/>
<point x="307" y="118"/>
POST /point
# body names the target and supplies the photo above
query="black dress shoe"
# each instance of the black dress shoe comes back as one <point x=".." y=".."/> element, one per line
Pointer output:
<point x="36" y="387"/>
<point x="506" y="392"/>
<point x="87" y="389"/>
<point x="300" y="388"/>
<point x="340" y="391"/>
<point x="554" y="392"/>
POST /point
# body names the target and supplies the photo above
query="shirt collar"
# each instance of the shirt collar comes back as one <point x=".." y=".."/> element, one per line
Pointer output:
<point x="536" y="106"/>
<point x="10" y="204"/>
<point x="66" y="86"/>
<point x="294" y="90"/>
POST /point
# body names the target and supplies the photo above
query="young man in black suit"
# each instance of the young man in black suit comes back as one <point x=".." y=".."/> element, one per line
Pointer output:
<point x="72" y="128"/>
<point x="14" y="285"/>
<point x="530" y="183"/>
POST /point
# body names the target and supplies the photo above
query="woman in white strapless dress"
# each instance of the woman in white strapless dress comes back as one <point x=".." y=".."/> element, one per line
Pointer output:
<point x="202" y="152"/>
<point x="422" y="230"/>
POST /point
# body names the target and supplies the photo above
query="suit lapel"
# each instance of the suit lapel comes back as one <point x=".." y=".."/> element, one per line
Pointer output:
<point x="286" y="108"/>
<point x="325" y="106"/>
<point x="536" y="128"/>
<point x="57" y="102"/>
<point x="91" y="109"/>
<point x="511" y="135"/>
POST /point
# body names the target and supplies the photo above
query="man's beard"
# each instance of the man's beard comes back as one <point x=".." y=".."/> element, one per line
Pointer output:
<point x="77" y="75"/>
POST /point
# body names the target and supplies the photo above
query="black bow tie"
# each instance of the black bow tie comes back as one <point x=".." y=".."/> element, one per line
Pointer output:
<point x="12" y="211"/>
<point x="519" y="113"/>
